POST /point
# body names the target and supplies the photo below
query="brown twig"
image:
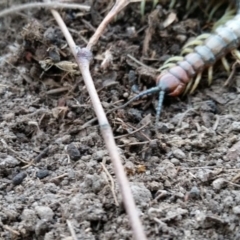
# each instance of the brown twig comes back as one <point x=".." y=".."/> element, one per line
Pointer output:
<point x="8" y="228"/>
<point x="112" y="184"/>
<point x="134" y="144"/>
<point x="136" y="130"/>
<point x="83" y="57"/>
<point x="72" y="231"/>
<point x="21" y="7"/>
<point x="118" y="6"/>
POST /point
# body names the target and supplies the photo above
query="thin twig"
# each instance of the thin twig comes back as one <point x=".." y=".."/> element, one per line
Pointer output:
<point x="118" y="6"/>
<point x="229" y="80"/>
<point x="71" y="229"/>
<point x="112" y="184"/>
<point x="58" y="177"/>
<point x="134" y="144"/>
<point x="231" y="183"/>
<point x="136" y="130"/>
<point x="208" y="167"/>
<point x="128" y="125"/>
<point x="42" y="5"/>
<point x="83" y="57"/>
<point x="88" y="123"/>
<point x="5" y="145"/>
<point x="11" y="230"/>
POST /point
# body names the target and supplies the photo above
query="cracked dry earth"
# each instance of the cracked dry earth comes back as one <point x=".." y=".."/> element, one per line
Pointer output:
<point x="184" y="178"/>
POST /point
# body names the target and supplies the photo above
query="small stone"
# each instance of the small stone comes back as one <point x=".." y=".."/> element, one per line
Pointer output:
<point x="181" y="37"/>
<point x="44" y="212"/>
<point x="134" y="89"/>
<point x="194" y="192"/>
<point x="178" y="153"/>
<point x="204" y="175"/>
<point x="132" y="77"/>
<point x="228" y="201"/>
<point x="236" y="210"/>
<point x="99" y="155"/>
<point x="219" y="183"/>
<point x="64" y="139"/>
<point x="135" y="114"/>
<point x="7" y="161"/>
<point x="73" y="152"/>
<point x="164" y="127"/>
<point x="8" y="116"/>
<point x="41" y="227"/>
<point x="234" y="152"/>
<point x="141" y="194"/>
<point x="236" y="126"/>
<point x="175" y="161"/>
<point x="29" y="218"/>
<point x="42" y="173"/>
<point x="19" y="178"/>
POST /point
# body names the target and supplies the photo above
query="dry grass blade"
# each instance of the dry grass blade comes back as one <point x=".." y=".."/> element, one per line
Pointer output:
<point x="118" y="6"/>
<point x="42" y="5"/>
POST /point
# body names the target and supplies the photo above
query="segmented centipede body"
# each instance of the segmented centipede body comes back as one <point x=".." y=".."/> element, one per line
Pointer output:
<point x="183" y="73"/>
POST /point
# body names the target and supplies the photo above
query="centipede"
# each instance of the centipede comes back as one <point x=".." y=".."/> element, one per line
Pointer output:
<point x="182" y="74"/>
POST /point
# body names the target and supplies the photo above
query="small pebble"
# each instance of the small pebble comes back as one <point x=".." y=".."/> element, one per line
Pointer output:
<point x="64" y="139"/>
<point x="73" y="152"/>
<point x="19" y="178"/>
<point x="219" y="183"/>
<point x="99" y="155"/>
<point x="44" y="212"/>
<point x="228" y="201"/>
<point x="236" y="209"/>
<point x="236" y="126"/>
<point x="135" y="88"/>
<point x="8" y="116"/>
<point x="132" y="76"/>
<point x="41" y="228"/>
<point x="140" y="193"/>
<point x="29" y="219"/>
<point x="164" y="127"/>
<point x="178" y="153"/>
<point x="135" y="114"/>
<point x="181" y="37"/>
<point x="8" y="161"/>
<point x="42" y="173"/>
<point x="194" y="192"/>
<point x="175" y="161"/>
<point x="204" y="175"/>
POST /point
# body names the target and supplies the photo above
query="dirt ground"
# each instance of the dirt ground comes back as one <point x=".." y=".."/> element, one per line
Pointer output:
<point x="184" y="177"/>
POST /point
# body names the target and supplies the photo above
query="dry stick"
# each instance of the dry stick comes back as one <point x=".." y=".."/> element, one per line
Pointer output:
<point x="71" y="229"/>
<point x="41" y="5"/>
<point x="136" y="130"/>
<point x="112" y="184"/>
<point x="118" y="6"/>
<point x="83" y="57"/>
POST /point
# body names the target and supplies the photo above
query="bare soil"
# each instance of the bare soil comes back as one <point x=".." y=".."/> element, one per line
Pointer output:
<point x="184" y="177"/>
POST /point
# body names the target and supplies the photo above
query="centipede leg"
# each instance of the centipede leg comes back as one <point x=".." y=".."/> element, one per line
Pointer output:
<point x="225" y="64"/>
<point x="196" y="82"/>
<point x="210" y="75"/>
<point x="171" y="5"/>
<point x="166" y="66"/>
<point x="189" y="47"/>
<point x="188" y="87"/>
<point x="236" y="54"/>
<point x="188" y="4"/>
<point x="214" y="9"/>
